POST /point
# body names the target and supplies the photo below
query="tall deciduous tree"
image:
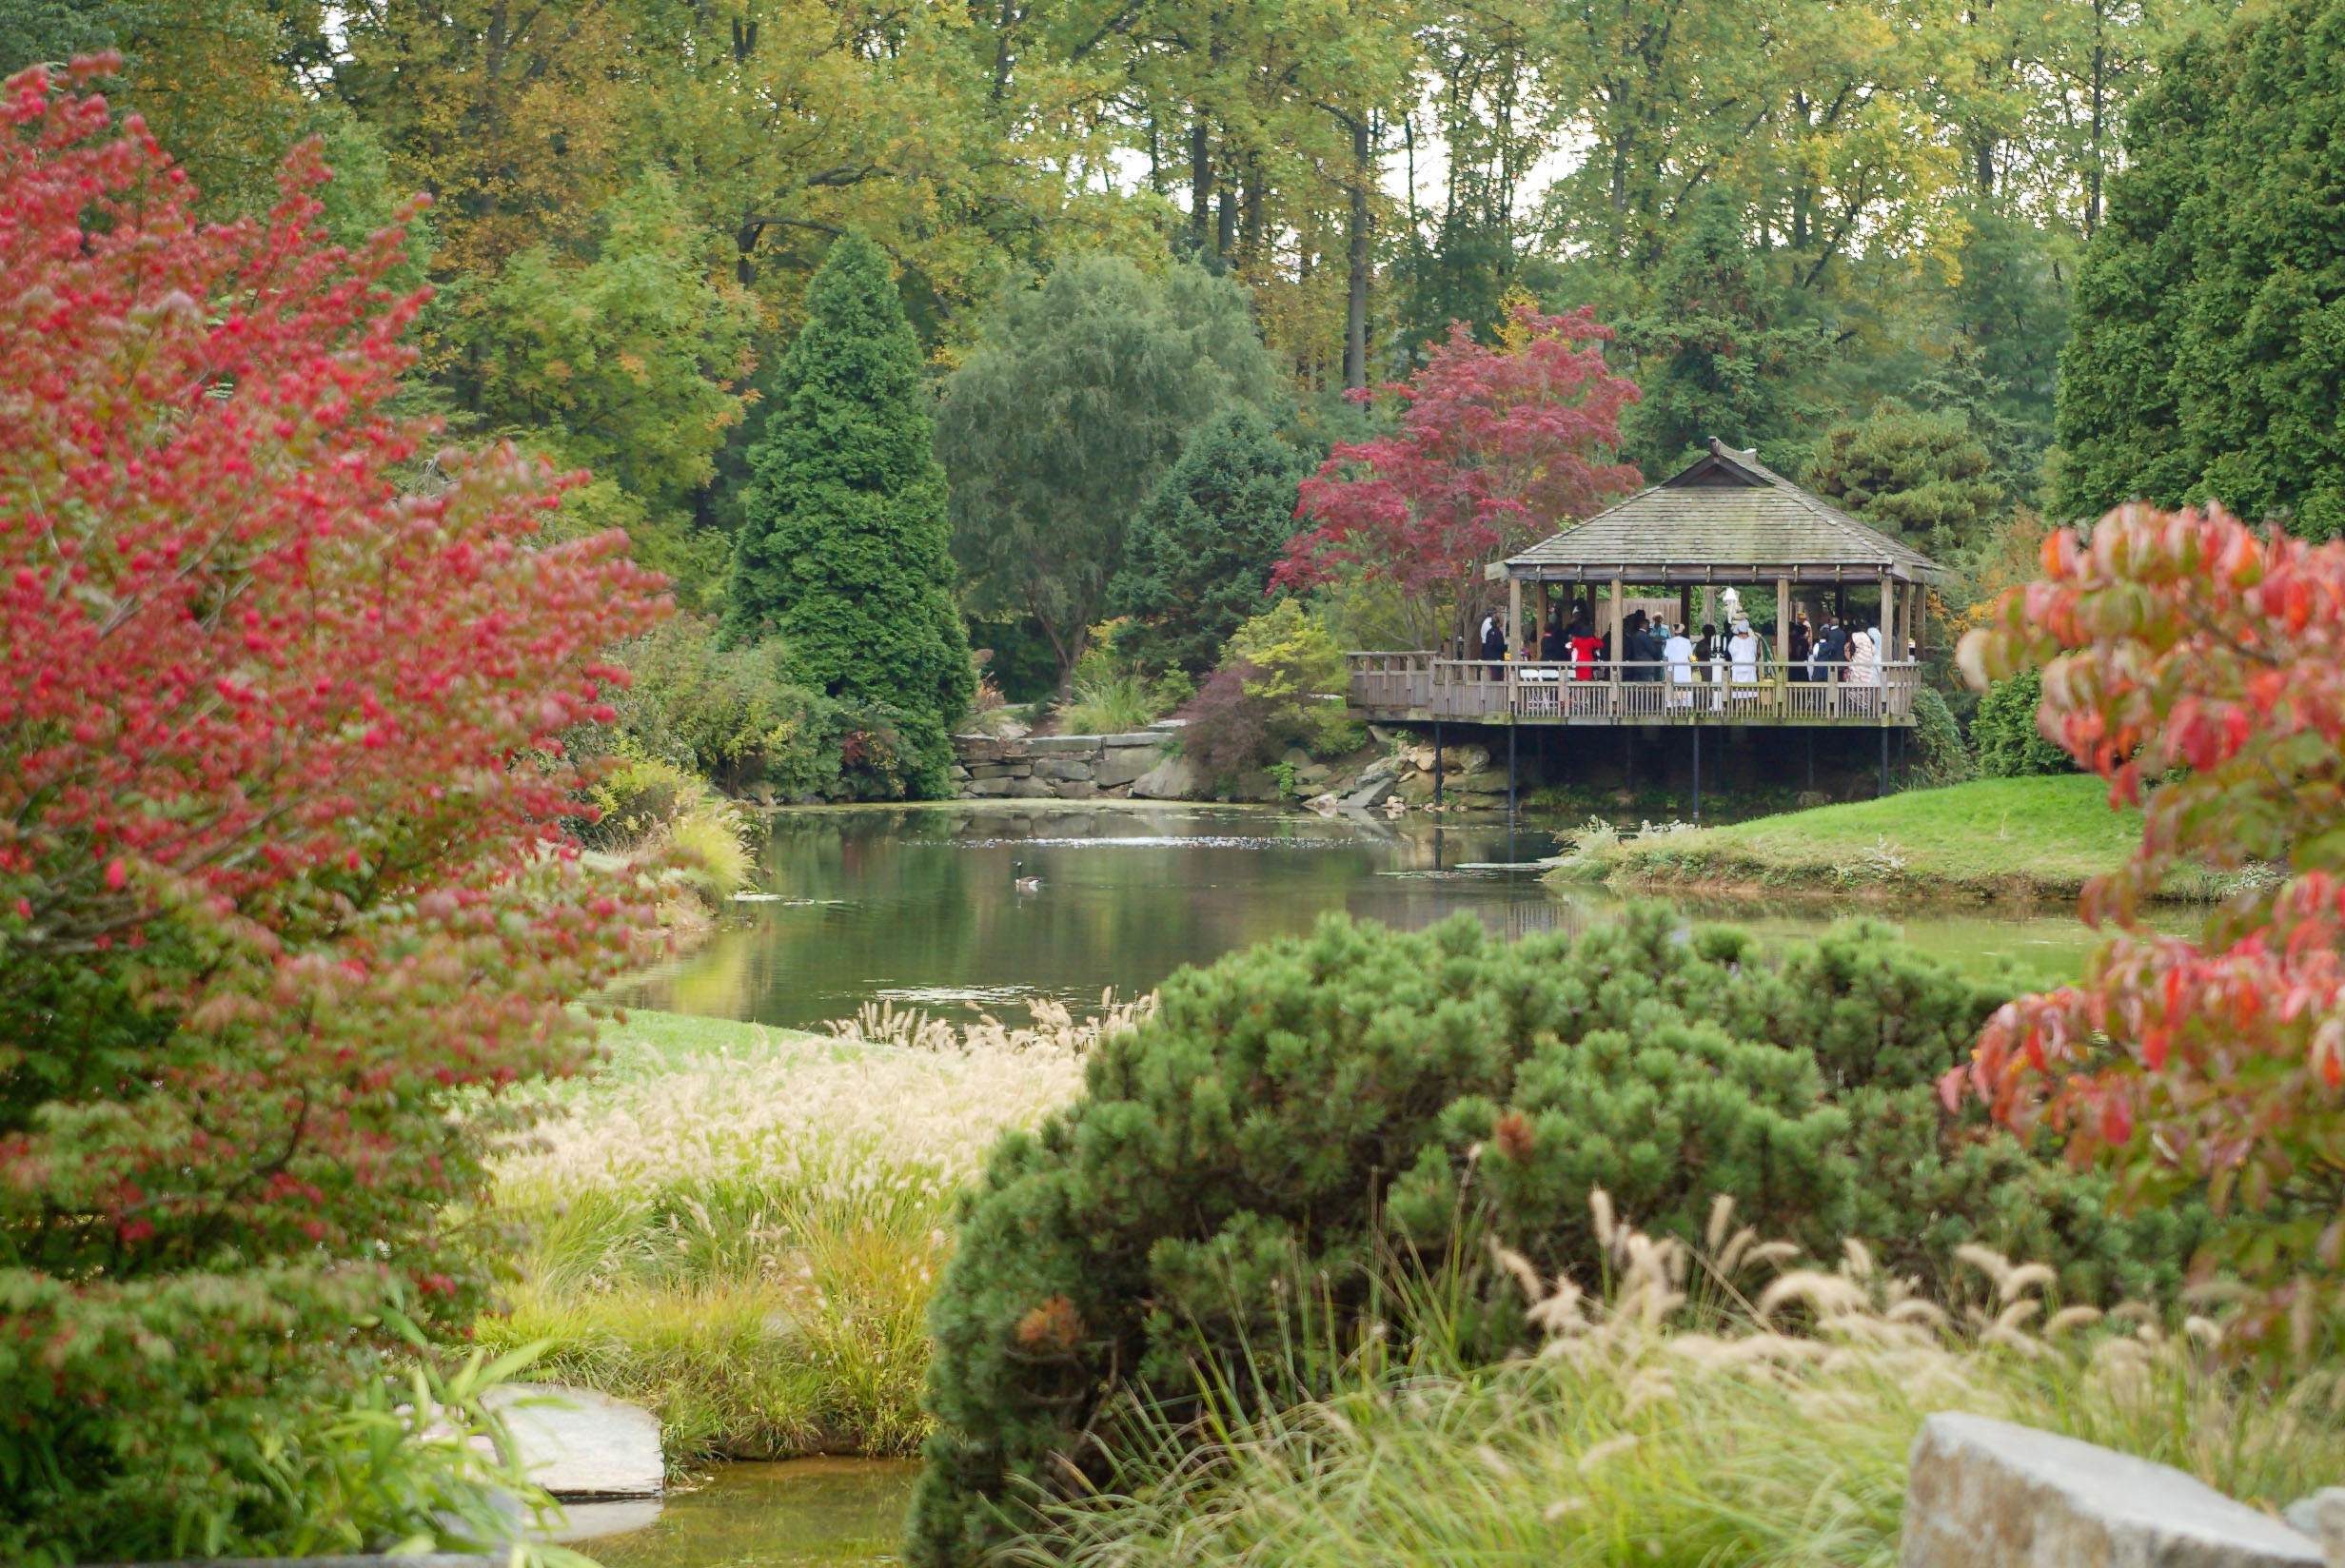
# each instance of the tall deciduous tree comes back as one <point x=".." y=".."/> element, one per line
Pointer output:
<point x="627" y="363"/>
<point x="1202" y="550"/>
<point x="843" y="546"/>
<point x="2209" y="356"/>
<point x="1058" y="425"/>
<point x="1494" y="443"/>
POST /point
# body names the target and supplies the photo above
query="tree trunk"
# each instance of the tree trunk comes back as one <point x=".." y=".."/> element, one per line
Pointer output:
<point x="1355" y="288"/>
<point x="1200" y="180"/>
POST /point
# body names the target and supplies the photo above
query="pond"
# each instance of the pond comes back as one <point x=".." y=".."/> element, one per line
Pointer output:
<point x="923" y="907"/>
<point x="801" y="1513"/>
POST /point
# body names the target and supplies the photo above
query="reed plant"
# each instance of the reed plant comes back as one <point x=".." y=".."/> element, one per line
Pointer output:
<point x="739" y="1227"/>
<point x="1695" y="1407"/>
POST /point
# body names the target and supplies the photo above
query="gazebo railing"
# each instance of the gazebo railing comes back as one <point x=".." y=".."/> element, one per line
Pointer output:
<point x="1418" y="683"/>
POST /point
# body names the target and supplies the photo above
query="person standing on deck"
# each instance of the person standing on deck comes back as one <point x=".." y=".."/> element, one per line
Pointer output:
<point x="1801" y="640"/>
<point x="1742" y="655"/>
<point x="1494" y="644"/>
<point x="1677" y="653"/>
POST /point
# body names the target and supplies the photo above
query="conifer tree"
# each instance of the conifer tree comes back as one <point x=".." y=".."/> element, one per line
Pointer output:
<point x="1201" y="550"/>
<point x="2209" y="356"/>
<point x="843" y="548"/>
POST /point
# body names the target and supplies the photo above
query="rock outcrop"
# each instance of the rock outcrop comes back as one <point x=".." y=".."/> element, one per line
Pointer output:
<point x="1987" y="1494"/>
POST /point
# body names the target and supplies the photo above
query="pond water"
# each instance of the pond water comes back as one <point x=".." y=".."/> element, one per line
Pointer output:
<point x="801" y="1513"/>
<point x="922" y="907"/>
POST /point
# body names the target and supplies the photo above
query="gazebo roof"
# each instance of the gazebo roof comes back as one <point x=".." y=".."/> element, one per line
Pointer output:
<point x="1728" y="519"/>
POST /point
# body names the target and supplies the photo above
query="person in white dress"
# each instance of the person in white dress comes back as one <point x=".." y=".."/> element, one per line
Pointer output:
<point x="1678" y="653"/>
<point x="1864" y="667"/>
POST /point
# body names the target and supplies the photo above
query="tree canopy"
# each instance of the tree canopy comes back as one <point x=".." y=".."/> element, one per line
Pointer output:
<point x="2209" y="356"/>
<point x="1067" y="414"/>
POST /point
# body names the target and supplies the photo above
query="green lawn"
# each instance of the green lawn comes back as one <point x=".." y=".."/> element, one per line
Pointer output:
<point x="1997" y="838"/>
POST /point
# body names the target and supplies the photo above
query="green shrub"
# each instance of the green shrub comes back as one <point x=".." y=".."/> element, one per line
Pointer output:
<point x="737" y="717"/>
<point x="1944" y="757"/>
<point x="1281" y="683"/>
<point x="1239" y="1164"/>
<point x="2003" y="731"/>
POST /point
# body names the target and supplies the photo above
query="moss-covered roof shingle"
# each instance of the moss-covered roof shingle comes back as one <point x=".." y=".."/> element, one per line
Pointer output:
<point x="1728" y="519"/>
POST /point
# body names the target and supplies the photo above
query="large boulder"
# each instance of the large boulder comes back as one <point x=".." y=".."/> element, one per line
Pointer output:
<point x="578" y="1443"/>
<point x="1174" y="778"/>
<point x="1126" y="764"/>
<point x="1987" y="1494"/>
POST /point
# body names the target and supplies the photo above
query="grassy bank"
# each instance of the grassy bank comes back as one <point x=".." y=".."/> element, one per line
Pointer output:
<point x="1993" y="838"/>
<point x="738" y="1228"/>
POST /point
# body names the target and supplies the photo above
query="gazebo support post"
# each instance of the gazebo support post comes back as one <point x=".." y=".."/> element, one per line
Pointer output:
<point x="1620" y="640"/>
<point x="1514" y="617"/>
<point x="1884" y="762"/>
<point x="1695" y="730"/>
<point x="1782" y="645"/>
<point x="1437" y="764"/>
<point x="1510" y="733"/>
<point x="1539" y="636"/>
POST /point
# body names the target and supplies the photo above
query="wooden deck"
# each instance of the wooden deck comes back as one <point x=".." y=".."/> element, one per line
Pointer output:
<point x="1405" y="687"/>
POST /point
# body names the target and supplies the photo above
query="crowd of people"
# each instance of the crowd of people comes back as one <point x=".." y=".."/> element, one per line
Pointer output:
<point x="1652" y="649"/>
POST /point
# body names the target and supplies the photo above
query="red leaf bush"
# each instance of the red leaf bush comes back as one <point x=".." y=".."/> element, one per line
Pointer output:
<point x="286" y="908"/>
<point x="1494" y="445"/>
<point x="2199" y="666"/>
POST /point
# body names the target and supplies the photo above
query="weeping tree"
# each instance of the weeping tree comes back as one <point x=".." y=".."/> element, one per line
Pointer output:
<point x="843" y="549"/>
<point x="1058" y="426"/>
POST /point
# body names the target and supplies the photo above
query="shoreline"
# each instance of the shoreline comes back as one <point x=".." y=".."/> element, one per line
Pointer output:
<point x="2020" y="843"/>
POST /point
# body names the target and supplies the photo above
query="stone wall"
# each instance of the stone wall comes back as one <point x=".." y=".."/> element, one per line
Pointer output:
<point x="1055" y="766"/>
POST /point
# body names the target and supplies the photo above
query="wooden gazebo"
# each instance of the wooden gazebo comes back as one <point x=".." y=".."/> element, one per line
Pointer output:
<point x="1727" y="520"/>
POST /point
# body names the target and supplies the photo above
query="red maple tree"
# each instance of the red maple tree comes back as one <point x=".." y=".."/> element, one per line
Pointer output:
<point x="1494" y="445"/>
<point x="2199" y="666"/>
<point x="282" y="874"/>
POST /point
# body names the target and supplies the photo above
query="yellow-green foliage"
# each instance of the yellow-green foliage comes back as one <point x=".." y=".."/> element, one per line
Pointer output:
<point x="1709" y="1411"/>
<point x="711" y="838"/>
<point x="1302" y="676"/>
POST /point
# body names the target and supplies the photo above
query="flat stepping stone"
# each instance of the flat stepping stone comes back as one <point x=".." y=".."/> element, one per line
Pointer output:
<point x="580" y="1445"/>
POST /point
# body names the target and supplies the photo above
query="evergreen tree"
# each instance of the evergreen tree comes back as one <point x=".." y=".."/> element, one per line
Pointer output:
<point x="844" y="550"/>
<point x="2208" y="355"/>
<point x="1721" y="352"/>
<point x="1923" y="474"/>
<point x="1200" y="553"/>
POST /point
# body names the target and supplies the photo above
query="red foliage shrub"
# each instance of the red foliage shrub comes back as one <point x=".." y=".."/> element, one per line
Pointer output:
<point x="285" y="906"/>
<point x="2199" y="667"/>
<point x="1494" y="445"/>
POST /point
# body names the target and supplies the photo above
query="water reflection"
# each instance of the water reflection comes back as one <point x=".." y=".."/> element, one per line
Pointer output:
<point x="921" y="906"/>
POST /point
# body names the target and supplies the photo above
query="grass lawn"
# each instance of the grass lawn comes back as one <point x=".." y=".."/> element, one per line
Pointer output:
<point x="1996" y="837"/>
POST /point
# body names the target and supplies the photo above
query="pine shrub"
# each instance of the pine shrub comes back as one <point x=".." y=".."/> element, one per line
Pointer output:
<point x="1244" y="1167"/>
